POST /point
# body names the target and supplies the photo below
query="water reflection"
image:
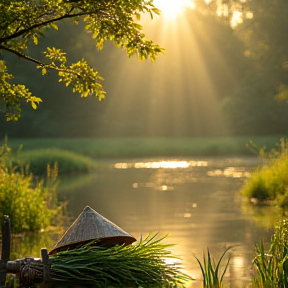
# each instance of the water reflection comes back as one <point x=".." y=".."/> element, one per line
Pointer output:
<point x="171" y="164"/>
<point x="235" y="172"/>
<point x="30" y="244"/>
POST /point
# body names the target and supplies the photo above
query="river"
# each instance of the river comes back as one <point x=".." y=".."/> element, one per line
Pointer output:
<point x="195" y="201"/>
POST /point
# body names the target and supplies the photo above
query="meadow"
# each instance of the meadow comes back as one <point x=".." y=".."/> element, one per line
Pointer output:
<point x="150" y="147"/>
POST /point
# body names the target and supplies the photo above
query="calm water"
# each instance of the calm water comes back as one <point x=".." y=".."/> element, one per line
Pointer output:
<point x="196" y="202"/>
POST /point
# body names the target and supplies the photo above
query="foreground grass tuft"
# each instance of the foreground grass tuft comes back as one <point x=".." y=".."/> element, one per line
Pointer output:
<point x="212" y="277"/>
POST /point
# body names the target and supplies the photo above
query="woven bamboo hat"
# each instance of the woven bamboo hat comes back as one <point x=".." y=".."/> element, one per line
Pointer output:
<point x="90" y="225"/>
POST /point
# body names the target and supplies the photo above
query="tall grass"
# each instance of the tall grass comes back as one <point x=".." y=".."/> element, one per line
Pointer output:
<point x="30" y="204"/>
<point x="270" y="181"/>
<point x="272" y="263"/>
<point x="212" y="276"/>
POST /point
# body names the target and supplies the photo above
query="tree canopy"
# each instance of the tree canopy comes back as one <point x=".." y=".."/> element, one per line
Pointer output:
<point x="24" y="22"/>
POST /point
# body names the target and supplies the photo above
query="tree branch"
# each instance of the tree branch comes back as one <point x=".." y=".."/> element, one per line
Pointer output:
<point x="49" y="66"/>
<point x="35" y="26"/>
<point x="21" y="55"/>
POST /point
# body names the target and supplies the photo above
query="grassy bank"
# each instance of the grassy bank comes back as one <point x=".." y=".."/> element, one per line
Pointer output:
<point x="148" y="147"/>
<point x="67" y="161"/>
<point x="269" y="182"/>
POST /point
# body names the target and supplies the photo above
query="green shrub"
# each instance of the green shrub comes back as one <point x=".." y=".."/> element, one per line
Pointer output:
<point x="30" y="205"/>
<point x="68" y="162"/>
<point x="256" y="187"/>
<point x="270" y="182"/>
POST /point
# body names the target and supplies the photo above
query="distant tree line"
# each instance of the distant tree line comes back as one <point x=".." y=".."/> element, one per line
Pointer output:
<point x="259" y="103"/>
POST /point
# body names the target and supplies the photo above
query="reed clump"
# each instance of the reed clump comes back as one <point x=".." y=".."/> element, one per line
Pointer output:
<point x="31" y="205"/>
<point x="271" y="262"/>
<point x="141" y="264"/>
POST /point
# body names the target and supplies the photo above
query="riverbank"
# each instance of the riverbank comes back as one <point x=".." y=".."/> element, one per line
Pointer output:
<point x="149" y="147"/>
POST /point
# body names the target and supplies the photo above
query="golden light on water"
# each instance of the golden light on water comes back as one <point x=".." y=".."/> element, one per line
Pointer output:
<point x="249" y="15"/>
<point x="238" y="261"/>
<point x="171" y="164"/>
<point x="163" y="164"/>
<point x="234" y="172"/>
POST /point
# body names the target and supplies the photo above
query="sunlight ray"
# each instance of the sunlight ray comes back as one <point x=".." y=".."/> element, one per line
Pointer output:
<point x="183" y="64"/>
<point x="177" y="95"/>
<point x="171" y="9"/>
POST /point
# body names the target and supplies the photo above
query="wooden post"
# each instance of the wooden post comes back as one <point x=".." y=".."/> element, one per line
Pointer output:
<point x="6" y="237"/>
<point x="46" y="268"/>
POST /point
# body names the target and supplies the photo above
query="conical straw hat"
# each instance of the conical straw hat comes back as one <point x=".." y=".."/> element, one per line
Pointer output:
<point x="90" y="225"/>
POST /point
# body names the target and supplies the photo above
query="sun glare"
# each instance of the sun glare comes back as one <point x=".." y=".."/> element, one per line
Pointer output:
<point x="173" y="8"/>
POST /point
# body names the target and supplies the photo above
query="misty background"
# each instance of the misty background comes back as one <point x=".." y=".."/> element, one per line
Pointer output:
<point x="212" y="80"/>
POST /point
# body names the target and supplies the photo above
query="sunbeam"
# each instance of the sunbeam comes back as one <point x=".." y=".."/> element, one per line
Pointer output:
<point x="182" y="85"/>
<point x="172" y="9"/>
<point x="176" y="96"/>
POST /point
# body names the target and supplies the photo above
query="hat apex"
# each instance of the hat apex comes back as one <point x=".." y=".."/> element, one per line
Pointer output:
<point x="88" y="226"/>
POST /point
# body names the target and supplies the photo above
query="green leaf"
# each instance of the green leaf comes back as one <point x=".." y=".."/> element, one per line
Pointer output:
<point x="156" y="11"/>
<point x="35" y="39"/>
<point x="54" y="25"/>
<point x="34" y="106"/>
<point x="138" y="16"/>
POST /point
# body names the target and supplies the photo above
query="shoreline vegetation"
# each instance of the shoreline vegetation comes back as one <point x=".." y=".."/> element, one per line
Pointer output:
<point x="31" y="203"/>
<point x="268" y="183"/>
<point x="82" y="155"/>
<point x="149" y="147"/>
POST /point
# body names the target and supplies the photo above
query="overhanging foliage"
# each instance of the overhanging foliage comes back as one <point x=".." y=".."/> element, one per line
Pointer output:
<point x="25" y="22"/>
